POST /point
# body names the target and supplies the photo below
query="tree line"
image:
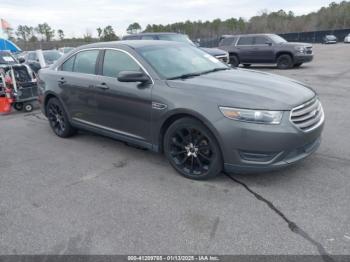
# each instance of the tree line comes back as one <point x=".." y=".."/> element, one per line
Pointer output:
<point x="334" y="16"/>
<point x="44" y="32"/>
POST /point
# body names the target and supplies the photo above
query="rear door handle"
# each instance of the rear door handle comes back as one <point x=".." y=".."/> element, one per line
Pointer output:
<point x="102" y="86"/>
<point x="61" y="81"/>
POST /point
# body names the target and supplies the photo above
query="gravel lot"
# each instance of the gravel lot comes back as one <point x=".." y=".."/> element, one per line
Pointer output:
<point x="93" y="195"/>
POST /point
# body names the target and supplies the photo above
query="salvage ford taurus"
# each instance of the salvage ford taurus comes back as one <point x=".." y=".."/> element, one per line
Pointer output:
<point x="174" y="98"/>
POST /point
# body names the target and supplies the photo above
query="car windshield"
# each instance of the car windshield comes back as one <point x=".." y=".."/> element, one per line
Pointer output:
<point x="7" y="58"/>
<point x="51" y="56"/>
<point x="180" y="61"/>
<point x="176" y="38"/>
<point x="67" y="49"/>
<point x="277" y="39"/>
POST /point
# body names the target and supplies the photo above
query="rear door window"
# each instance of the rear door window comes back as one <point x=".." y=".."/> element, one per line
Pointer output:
<point x="245" y="40"/>
<point x="85" y="62"/>
<point x="131" y="37"/>
<point x="260" y="40"/>
<point x="227" y="41"/>
<point x="148" y="37"/>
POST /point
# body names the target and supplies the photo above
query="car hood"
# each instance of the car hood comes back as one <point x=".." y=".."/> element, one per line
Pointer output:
<point x="296" y="44"/>
<point x="247" y="89"/>
<point x="214" y="51"/>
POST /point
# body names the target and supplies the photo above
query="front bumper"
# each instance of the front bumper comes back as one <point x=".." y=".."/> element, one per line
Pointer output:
<point x="252" y="148"/>
<point x="303" y="58"/>
<point x="284" y="159"/>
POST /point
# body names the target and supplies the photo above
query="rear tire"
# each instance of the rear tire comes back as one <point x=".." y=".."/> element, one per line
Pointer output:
<point x="58" y="119"/>
<point x="284" y="62"/>
<point x="28" y="107"/>
<point x="234" y="61"/>
<point x="18" y="106"/>
<point x="192" y="149"/>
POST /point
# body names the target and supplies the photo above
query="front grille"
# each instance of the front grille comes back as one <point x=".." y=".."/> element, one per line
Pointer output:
<point x="309" y="50"/>
<point x="308" y="116"/>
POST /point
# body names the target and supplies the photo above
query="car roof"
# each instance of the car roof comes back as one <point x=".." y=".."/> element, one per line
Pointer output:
<point x="134" y="44"/>
<point x="155" y="33"/>
<point x="240" y="35"/>
<point x="49" y="50"/>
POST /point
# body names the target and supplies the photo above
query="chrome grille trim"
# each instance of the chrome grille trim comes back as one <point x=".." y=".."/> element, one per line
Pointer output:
<point x="309" y="50"/>
<point x="308" y="116"/>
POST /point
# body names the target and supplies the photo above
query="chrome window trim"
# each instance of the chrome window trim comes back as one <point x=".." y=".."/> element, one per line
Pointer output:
<point x="103" y="48"/>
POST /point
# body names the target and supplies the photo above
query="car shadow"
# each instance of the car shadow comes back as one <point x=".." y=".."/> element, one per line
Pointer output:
<point x="269" y="179"/>
<point x="272" y="67"/>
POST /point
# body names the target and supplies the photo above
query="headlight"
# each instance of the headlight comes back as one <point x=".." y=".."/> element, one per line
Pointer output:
<point x="253" y="116"/>
<point x="300" y="49"/>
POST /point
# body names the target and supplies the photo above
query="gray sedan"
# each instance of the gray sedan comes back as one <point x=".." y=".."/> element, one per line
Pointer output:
<point x="174" y="98"/>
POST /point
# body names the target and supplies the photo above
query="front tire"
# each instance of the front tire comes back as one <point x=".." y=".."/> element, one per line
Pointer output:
<point x="284" y="62"/>
<point x="58" y="119"/>
<point x="192" y="149"/>
<point x="234" y="61"/>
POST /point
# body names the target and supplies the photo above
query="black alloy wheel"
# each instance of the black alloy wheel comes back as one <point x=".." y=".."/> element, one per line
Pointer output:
<point x="58" y="119"/>
<point x="192" y="150"/>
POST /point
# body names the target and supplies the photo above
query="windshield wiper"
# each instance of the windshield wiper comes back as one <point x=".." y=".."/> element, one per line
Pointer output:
<point x="215" y="70"/>
<point x="184" y="76"/>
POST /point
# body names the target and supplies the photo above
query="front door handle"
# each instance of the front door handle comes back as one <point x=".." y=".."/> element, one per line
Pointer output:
<point x="102" y="86"/>
<point x="61" y="81"/>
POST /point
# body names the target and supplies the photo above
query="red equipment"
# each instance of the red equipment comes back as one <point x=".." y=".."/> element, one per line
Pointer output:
<point x="5" y="104"/>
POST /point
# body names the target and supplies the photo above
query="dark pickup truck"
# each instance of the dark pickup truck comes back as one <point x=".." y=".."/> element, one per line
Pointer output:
<point x="265" y="49"/>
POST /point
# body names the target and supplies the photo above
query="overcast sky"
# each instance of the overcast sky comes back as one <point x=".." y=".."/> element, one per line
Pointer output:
<point x="75" y="17"/>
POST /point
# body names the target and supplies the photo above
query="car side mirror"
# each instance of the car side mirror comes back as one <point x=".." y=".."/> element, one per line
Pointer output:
<point x="21" y="60"/>
<point x="269" y="43"/>
<point x="133" y="76"/>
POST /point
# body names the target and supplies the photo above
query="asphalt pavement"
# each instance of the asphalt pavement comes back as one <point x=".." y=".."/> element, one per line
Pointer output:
<point x="94" y="195"/>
